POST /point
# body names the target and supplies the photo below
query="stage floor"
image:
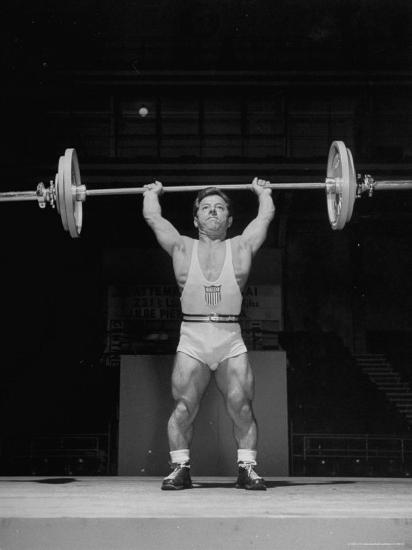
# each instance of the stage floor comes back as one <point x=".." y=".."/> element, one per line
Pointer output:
<point x="119" y="513"/>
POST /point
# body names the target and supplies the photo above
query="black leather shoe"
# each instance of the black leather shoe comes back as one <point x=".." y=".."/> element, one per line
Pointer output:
<point x="248" y="478"/>
<point x="178" y="479"/>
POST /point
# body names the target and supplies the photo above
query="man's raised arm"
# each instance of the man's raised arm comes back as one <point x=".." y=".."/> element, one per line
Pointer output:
<point x="255" y="233"/>
<point x="166" y="234"/>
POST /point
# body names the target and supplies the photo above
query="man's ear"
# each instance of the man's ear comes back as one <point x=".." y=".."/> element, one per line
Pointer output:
<point x="230" y="221"/>
<point x="195" y="222"/>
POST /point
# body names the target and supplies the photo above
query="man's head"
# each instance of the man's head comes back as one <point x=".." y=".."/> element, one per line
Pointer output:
<point x="212" y="210"/>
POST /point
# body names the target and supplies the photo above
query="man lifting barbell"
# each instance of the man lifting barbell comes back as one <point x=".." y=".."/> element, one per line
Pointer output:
<point x="211" y="273"/>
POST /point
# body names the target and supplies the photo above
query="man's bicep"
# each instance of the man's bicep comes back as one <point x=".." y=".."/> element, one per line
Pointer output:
<point x="254" y="234"/>
<point x="166" y="234"/>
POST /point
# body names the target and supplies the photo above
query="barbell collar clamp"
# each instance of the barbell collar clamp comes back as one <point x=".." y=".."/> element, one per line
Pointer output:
<point x="41" y="194"/>
<point x="80" y="192"/>
<point x="332" y="185"/>
<point x="365" y="184"/>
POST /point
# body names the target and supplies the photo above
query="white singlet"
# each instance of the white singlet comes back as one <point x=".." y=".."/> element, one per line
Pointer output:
<point x="210" y="342"/>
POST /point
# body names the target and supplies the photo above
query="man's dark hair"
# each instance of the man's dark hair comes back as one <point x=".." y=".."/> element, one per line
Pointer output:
<point x="211" y="191"/>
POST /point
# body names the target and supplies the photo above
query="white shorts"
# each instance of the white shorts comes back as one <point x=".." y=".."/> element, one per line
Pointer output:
<point x="211" y="343"/>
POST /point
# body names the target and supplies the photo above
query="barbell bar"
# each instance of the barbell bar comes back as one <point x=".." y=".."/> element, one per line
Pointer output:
<point x="342" y="186"/>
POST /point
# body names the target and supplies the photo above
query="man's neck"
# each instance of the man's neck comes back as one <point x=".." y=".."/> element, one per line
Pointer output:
<point x="211" y="239"/>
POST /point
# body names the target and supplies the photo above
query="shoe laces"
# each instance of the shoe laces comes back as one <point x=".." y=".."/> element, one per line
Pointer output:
<point x="249" y="467"/>
<point x="177" y="469"/>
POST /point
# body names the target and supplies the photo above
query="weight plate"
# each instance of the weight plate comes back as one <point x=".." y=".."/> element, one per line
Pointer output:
<point x="56" y="187"/>
<point x="78" y="204"/>
<point x="74" y="207"/>
<point x="341" y="194"/>
<point x="352" y="186"/>
<point x="60" y="194"/>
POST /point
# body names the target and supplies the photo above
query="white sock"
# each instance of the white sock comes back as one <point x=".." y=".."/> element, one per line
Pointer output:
<point x="180" y="456"/>
<point x="246" y="455"/>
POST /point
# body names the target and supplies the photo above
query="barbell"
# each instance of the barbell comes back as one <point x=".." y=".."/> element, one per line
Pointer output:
<point x="342" y="186"/>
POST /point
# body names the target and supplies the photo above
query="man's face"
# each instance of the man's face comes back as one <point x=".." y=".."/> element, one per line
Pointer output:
<point x="213" y="215"/>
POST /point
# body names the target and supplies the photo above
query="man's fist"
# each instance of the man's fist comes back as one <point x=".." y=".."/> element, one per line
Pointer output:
<point x="155" y="187"/>
<point x="261" y="186"/>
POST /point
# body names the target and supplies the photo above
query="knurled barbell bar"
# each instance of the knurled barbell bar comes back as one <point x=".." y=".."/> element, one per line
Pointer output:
<point x="342" y="186"/>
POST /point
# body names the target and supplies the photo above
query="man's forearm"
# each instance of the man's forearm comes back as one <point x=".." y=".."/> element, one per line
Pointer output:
<point x="266" y="207"/>
<point x="151" y="207"/>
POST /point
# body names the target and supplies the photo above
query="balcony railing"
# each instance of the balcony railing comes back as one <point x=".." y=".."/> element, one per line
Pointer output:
<point x="351" y="454"/>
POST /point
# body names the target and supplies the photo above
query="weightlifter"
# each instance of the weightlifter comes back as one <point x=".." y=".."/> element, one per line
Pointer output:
<point x="211" y="272"/>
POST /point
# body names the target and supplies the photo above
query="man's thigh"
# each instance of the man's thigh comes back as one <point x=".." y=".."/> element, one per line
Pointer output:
<point x="235" y="375"/>
<point x="190" y="377"/>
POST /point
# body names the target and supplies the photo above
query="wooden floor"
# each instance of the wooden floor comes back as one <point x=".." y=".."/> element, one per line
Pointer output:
<point x="125" y="513"/>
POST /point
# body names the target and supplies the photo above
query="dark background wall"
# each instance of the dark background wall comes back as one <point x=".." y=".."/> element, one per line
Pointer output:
<point x="234" y="89"/>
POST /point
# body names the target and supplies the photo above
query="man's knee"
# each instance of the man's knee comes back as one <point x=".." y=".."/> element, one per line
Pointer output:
<point x="239" y="404"/>
<point x="184" y="411"/>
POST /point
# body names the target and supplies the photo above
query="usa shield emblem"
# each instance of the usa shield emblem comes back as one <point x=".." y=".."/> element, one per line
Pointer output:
<point x="213" y="294"/>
